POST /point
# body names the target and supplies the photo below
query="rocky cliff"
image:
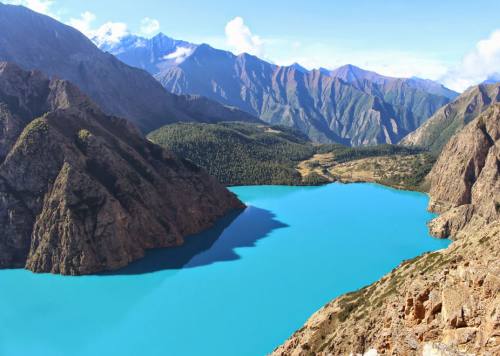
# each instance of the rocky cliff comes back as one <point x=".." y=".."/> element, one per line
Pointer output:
<point x="82" y="192"/>
<point x="465" y="181"/>
<point x="442" y="303"/>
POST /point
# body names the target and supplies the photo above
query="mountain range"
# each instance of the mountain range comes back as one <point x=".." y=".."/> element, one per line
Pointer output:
<point x="348" y="105"/>
<point x="204" y="84"/>
<point x="36" y="41"/>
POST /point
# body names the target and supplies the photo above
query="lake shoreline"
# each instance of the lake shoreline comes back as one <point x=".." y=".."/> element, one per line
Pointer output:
<point x="262" y="273"/>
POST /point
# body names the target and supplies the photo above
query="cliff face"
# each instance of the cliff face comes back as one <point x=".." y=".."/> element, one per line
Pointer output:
<point x="465" y="181"/>
<point x="82" y="192"/>
<point x="442" y="303"/>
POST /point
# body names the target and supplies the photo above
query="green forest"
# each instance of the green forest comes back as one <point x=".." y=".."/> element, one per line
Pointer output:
<point x="247" y="154"/>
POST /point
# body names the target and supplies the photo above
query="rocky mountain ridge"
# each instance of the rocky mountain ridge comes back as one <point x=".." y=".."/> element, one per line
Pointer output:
<point x="465" y="181"/>
<point x="326" y="108"/>
<point x="357" y="76"/>
<point x="82" y="192"/>
<point x="450" y="119"/>
<point x="348" y="105"/>
<point x="151" y="54"/>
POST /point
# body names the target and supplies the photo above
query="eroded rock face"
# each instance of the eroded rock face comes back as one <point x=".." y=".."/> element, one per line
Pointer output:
<point x="442" y="303"/>
<point x="465" y="181"/>
<point x="82" y="192"/>
<point x="328" y="107"/>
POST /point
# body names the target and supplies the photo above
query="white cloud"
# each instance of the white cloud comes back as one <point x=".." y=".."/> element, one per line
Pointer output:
<point x="41" y="6"/>
<point x="240" y="39"/>
<point x="83" y="23"/>
<point x="149" y="26"/>
<point x="477" y="65"/>
<point x="180" y="54"/>
<point x="105" y="36"/>
<point x="110" y="33"/>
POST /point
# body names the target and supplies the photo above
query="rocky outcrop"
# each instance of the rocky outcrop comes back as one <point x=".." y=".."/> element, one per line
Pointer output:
<point x="442" y="303"/>
<point x="450" y="119"/>
<point x="465" y="181"/>
<point x="83" y="192"/>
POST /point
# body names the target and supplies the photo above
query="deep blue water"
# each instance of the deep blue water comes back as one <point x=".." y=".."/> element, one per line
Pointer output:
<point x="239" y="289"/>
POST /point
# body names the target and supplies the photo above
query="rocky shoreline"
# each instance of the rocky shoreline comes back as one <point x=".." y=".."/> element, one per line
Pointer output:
<point x="441" y="303"/>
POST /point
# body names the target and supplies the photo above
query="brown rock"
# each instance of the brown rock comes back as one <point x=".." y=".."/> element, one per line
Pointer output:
<point x="82" y="192"/>
<point x="465" y="181"/>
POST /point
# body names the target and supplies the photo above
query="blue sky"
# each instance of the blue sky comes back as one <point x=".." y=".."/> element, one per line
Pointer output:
<point x="436" y="39"/>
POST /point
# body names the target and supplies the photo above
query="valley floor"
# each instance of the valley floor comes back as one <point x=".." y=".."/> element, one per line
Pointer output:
<point x="398" y="171"/>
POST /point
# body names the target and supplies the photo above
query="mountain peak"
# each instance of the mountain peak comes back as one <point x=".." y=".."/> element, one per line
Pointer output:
<point x="204" y="49"/>
<point x="246" y="55"/>
<point x="161" y="35"/>
<point x="492" y="79"/>
<point x="353" y="74"/>
<point x="299" y="68"/>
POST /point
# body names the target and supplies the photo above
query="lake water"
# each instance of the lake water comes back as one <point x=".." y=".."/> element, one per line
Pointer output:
<point x="239" y="289"/>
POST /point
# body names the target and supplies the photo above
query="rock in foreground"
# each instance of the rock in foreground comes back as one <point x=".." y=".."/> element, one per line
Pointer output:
<point x="442" y="303"/>
<point x="82" y="192"/>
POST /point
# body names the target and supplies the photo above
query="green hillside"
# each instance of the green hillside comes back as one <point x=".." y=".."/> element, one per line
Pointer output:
<point x="238" y="153"/>
<point x="248" y="154"/>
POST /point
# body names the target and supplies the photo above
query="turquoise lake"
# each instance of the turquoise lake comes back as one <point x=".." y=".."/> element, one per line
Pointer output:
<point x="239" y="289"/>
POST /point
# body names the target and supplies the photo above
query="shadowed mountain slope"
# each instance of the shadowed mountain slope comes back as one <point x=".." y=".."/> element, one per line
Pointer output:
<point x="348" y="105"/>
